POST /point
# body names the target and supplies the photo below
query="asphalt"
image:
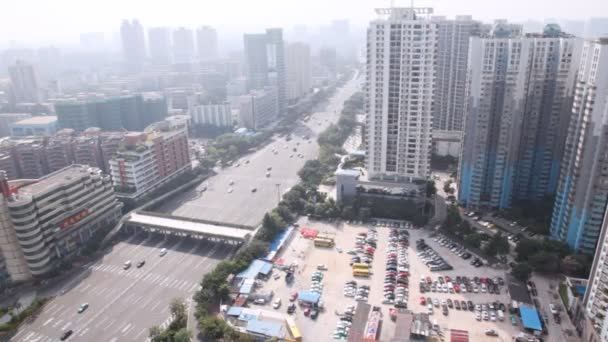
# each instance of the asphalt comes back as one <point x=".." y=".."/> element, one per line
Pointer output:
<point x="219" y="201"/>
<point x="124" y="304"/>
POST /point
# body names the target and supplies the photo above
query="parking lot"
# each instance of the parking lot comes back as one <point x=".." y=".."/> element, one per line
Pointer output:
<point x="301" y="251"/>
<point x="124" y="303"/>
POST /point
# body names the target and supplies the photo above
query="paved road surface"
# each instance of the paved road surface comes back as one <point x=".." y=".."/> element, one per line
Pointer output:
<point x="124" y="304"/>
<point x="237" y="203"/>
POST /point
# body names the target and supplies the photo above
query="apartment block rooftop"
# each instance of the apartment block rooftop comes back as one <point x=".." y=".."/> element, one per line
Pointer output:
<point x="57" y="179"/>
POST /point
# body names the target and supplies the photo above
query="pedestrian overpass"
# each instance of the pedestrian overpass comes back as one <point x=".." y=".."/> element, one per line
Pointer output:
<point x="182" y="226"/>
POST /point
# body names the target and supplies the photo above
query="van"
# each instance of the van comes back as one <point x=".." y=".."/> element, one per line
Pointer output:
<point x="163" y="252"/>
<point x="126" y="265"/>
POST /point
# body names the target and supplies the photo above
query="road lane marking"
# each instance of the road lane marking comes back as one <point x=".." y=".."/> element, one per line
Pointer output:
<point x="83" y="332"/>
<point x="48" y="321"/>
<point x="127" y="327"/>
<point x="57" y="323"/>
<point x="101" y="322"/>
<point x="140" y="333"/>
<point x="66" y="325"/>
<point x="109" y="324"/>
<point x="155" y="306"/>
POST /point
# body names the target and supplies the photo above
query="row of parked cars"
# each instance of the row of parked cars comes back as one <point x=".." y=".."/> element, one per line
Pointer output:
<point x="461" y="284"/>
<point x="344" y="323"/>
<point x="431" y="258"/>
<point x="454" y="247"/>
<point x="396" y="281"/>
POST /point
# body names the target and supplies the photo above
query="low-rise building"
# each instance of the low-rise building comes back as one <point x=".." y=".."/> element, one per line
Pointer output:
<point x="56" y="215"/>
<point x="42" y="126"/>
<point x="8" y="118"/>
<point x="259" y="108"/>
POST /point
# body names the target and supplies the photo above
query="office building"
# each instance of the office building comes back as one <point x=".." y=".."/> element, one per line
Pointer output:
<point x="7" y="118"/>
<point x="328" y="59"/>
<point x="133" y="45"/>
<point x="401" y="54"/>
<point x="159" y="43"/>
<point x="55" y="216"/>
<point x="265" y="59"/>
<point x="582" y="193"/>
<point x="127" y="112"/>
<point x="451" y="74"/>
<point x="12" y="257"/>
<point x="42" y="126"/>
<point x="206" y="43"/>
<point x="517" y="113"/>
<point x="219" y="115"/>
<point x="258" y="108"/>
<point x="146" y="160"/>
<point x="25" y="82"/>
<point x="299" y="72"/>
<point x="183" y="45"/>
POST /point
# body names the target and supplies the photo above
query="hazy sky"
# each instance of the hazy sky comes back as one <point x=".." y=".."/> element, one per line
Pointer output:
<point x="61" y="21"/>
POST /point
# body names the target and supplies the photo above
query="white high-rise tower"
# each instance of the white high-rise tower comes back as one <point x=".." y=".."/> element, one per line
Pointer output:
<point x="401" y="52"/>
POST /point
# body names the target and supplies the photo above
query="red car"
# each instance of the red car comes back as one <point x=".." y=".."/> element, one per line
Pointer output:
<point x="447" y="279"/>
<point x="403" y="274"/>
<point x="457" y="288"/>
<point x="370" y="249"/>
<point x="428" y="280"/>
<point x="422" y="301"/>
<point x="483" y="280"/>
<point x="306" y="311"/>
<point x="293" y="297"/>
<point x="363" y="234"/>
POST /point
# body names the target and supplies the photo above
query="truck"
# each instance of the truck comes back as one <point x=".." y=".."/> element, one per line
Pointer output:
<point x="323" y="242"/>
<point x="370" y="333"/>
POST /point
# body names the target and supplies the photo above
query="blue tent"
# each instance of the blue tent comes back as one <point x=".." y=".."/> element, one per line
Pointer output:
<point x="529" y="317"/>
<point x="309" y="297"/>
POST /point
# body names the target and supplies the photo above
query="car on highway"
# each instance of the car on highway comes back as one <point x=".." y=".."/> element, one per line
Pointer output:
<point x="267" y="174"/>
<point x="163" y="252"/>
<point x="126" y="265"/>
<point x="230" y="190"/>
<point x="293" y="297"/>
<point x="141" y="263"/>
<point x="254" y="189"/>
<point x="66" y="334"/>
<point x="83" y="307"/>
<point x="269" y="168"/>
<point x="231" y="182"/>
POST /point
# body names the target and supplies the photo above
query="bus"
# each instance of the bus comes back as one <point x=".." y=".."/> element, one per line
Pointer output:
<point x="358" y="272"/>
<point x="324" y="242"/>
<point x="293" y="329"/>
<point x="361" y="266"/>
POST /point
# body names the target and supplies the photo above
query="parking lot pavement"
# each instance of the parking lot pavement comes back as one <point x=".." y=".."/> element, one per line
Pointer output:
<point x="218" y="200"/>
<point x="547" y="288"/>
<point x="124" y="304"/>
<point x="457" y="319"/>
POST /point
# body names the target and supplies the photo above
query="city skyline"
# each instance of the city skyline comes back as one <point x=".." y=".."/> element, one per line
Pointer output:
<point x="60" y="29"/>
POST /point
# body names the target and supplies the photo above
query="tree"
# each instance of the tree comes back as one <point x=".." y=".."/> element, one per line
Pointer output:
<point x="545" y="262"/>
<point x="182" y="335"/>
<point x="558" y="247"/>
<point x="177" y="307"/>
<point x="447" y="187"/>
<point x="212" y="327"/>
<point x="522" y="271"/>
<point x="498" y="244"/>
<point x="525" y="248"/>
<point x="577" y="265"/>
<point x="473" y="240"/>
<point x="430" y="188"/>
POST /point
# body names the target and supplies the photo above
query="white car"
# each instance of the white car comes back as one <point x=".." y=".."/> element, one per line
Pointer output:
<point x="553" y="308"/>
<point x="277" y="303"/>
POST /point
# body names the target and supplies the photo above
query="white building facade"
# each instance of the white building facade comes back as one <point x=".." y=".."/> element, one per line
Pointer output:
<point x="218" y="115"/>
<point x="401" y="53"/>
<point x="299" y="72"/>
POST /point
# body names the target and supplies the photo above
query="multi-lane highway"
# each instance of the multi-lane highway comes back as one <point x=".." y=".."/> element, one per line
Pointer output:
<point x="228" y="196"/>
<point x="124" y="304"/>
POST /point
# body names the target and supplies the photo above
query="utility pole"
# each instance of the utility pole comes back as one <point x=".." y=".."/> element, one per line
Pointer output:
<point x="278" y="192"/>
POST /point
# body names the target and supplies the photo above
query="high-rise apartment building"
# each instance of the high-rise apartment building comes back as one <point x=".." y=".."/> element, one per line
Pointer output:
<point x="133" y="45"/>
<point x="25" y="82"/>
<point x="401" y="54"/>
<point x="265" y="59"/>
<point x="596" y="298"/>
<point x="520" y="90"/>
<point x="582" y="193"/>
<point x="206" y="43"/>
<point x="452" y="53"/>
<point x="146" y="160"/>
<point x="159" y="43"/>
<point x="299" y="71"/>
<point x="183" y="45"/>
<point x="55" y="216"/>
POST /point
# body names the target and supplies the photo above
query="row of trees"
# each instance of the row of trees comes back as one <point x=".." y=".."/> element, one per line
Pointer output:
<point x="176" y="331"/>
<point x="301" y="199"/>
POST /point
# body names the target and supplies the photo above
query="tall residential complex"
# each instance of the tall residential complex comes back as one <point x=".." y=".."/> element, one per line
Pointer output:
<point x="582" y="194"/>
<point x="133" y="45"/>
<point x="299" y="71"/>
<point x="56" y="215"/>
<point x="130" y="112"/>
<point x="25" y="82"/>
<point x="265" y="58"/>
<point x="206" y="41"/>
<point x="183" y="45"/>
<point x="451" y="75"/>
<point x="519" y="97"/>
<point x="328" y="59"/>
<point x="159" y="43"/>
<point x="596" y="296"/>
<point x="401" y="54"/>
<point x="146" y="160"/>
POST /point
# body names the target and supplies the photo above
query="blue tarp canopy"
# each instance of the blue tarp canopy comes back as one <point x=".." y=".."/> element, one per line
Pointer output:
<point x="309" y="297"/>
<point x="264" y="328"/>
<point x="529" y="317"/>
<point x="255" y="268"/>
<point x="234" y="311"/>
<point x="278" y="242"/>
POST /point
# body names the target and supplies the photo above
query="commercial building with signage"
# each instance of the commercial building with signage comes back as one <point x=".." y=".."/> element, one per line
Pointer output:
<point x="56" y="215"/>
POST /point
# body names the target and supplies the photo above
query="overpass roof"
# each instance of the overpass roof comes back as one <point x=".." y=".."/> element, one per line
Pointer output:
<point x="187" y="226"/>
